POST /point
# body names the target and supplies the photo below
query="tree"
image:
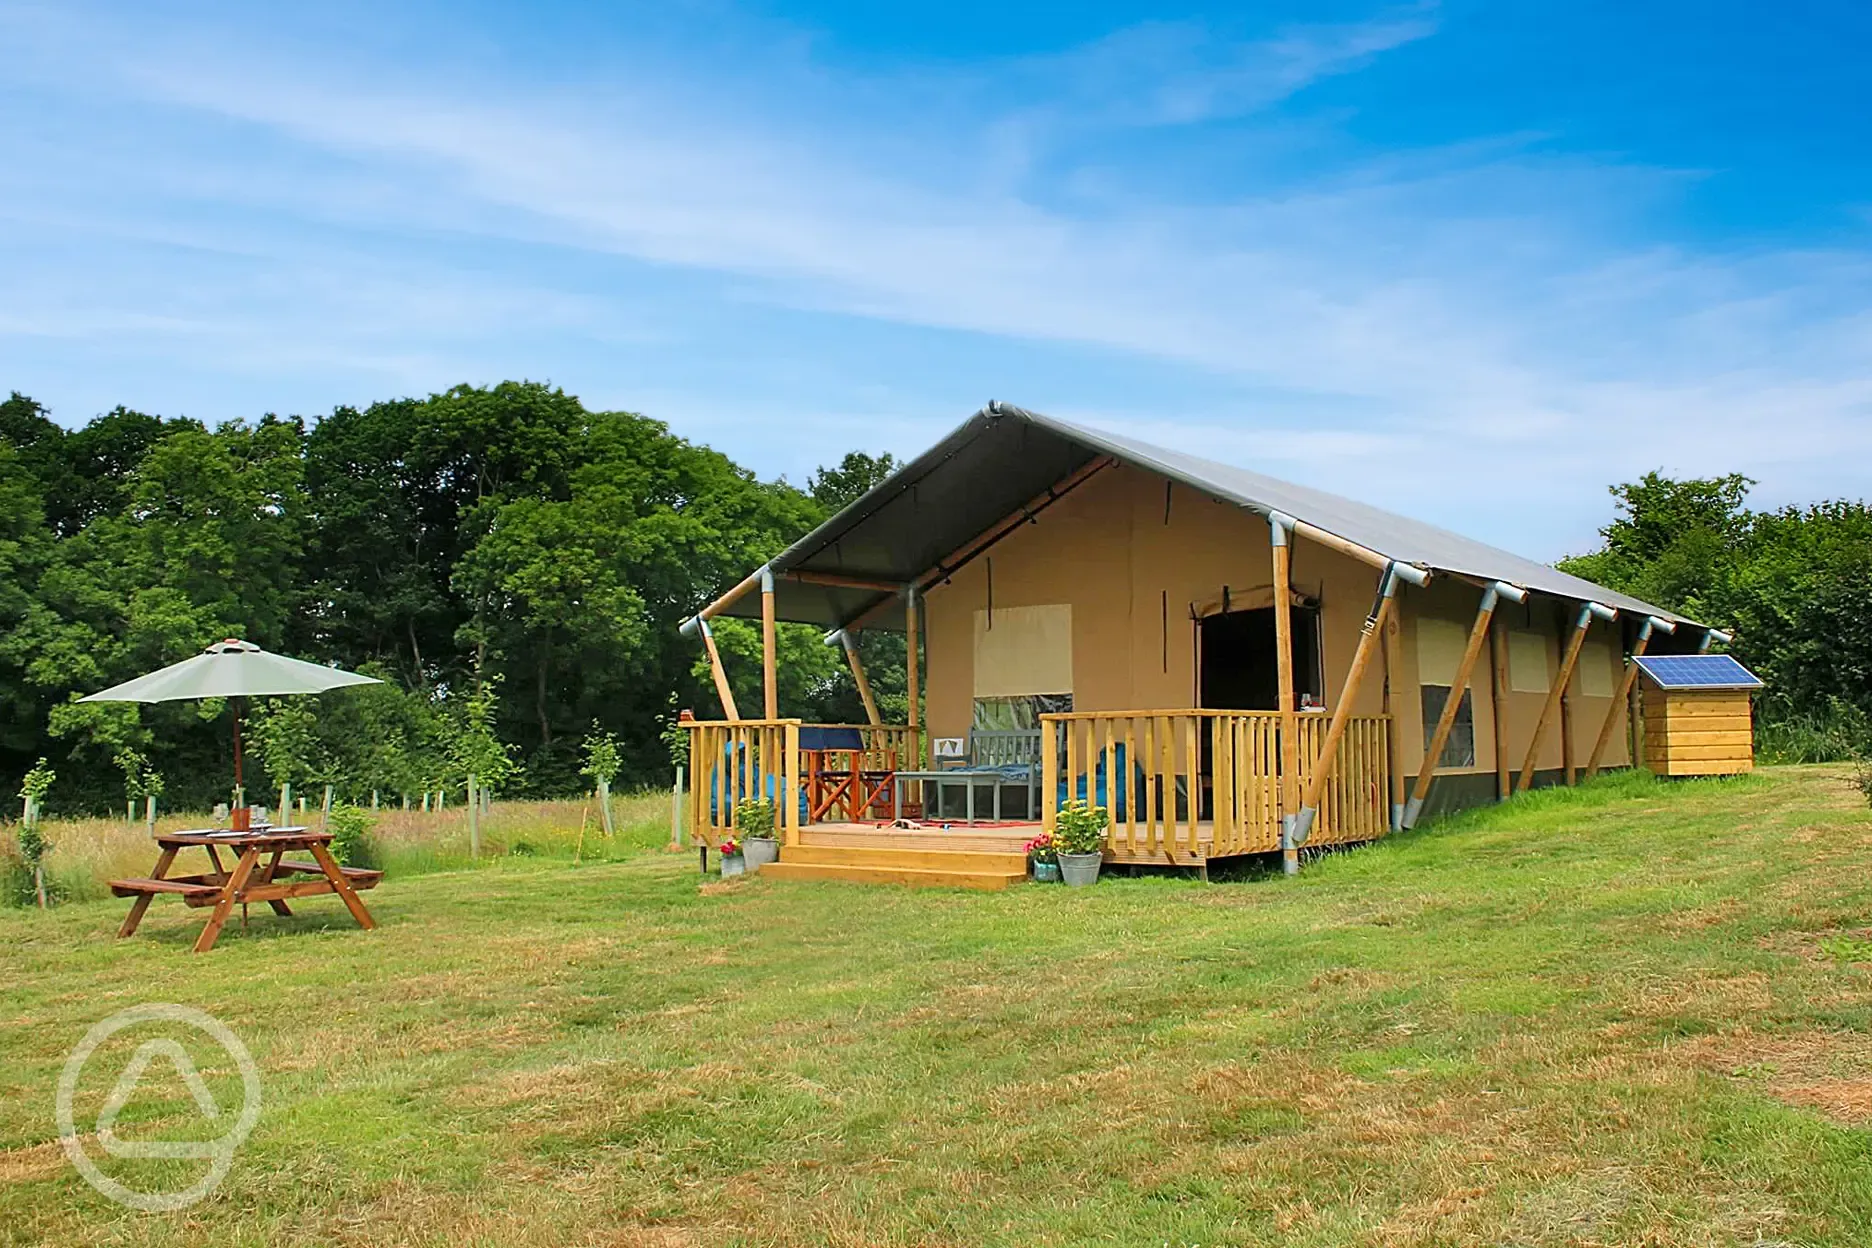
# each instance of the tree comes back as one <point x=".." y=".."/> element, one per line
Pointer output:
<point x="850" y="479"/>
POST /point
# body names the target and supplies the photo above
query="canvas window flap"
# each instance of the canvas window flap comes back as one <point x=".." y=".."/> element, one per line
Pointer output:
<point x="1023" y="650"/>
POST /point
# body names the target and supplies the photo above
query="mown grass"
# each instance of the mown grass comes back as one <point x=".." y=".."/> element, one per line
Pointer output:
<point x="1630" y="1013"/>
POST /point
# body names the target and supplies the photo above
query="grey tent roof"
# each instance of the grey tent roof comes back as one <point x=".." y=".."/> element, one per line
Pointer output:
<point x="1004" y="457"/>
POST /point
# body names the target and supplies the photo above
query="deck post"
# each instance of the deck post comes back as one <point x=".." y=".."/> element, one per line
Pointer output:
<point x="1567" y="663"/>
<point x="1478" y="636"/>
<point x="770" y="682"/>
<point x="1394" y="761"/>
<point x="1280" y="534"/>
<point x="911" y="675"/>
<point x="1361" y="661"/>
<point x="1621" y="698"/>
<point x="1498" y="706"/>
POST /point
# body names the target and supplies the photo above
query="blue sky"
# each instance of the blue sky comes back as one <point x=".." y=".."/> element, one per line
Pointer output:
<point x="1470" y="261"/>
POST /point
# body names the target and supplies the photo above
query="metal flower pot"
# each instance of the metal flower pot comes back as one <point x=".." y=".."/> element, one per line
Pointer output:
<point x="1079" y="870"/>
<point x="733" y="864"/>
<point x="1046" y="872"/>
<point x="760" y="850"/>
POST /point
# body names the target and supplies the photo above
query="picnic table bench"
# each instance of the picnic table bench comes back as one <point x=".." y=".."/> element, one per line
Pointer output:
<point x="275" y="881"/>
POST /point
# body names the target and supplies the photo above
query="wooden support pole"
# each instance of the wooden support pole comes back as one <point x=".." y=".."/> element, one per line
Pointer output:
<point x="1394" y="676"/>
<point x="850" y="646"/>
<point x="988" y="537"/>
<point x="912" y="677"/>
<point x="716" y="669"/>
<point x="733" y="596"/>
<point x="1281" y="536"/>
<point x="1498" y="705"/>
<point x="1332" y="541"/>
<point x="838" y="580"/>
<point x="1568" y="767"/>
<point x="1620" y="701"/>
<point x="770" y="663"/>
<point x="1426" y="771"/>
<point x="1567" y="663"/>
<point x="1342" y="711"/>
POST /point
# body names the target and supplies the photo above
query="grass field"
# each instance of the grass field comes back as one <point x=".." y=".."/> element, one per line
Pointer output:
<point x="1631" y="1013"/>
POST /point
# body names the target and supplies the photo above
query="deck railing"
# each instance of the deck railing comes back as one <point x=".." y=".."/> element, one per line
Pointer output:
<point x="1191" y="784"/>
<point x="732" y="761"/>
<point x="1180" y="785"/>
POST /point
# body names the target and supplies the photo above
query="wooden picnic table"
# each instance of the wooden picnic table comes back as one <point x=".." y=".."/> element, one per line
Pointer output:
<point x="274" y="881"/>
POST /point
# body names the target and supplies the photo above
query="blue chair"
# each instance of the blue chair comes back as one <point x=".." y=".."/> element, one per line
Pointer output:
<point x="1100" y="790"/>
<point x="733" y="783"/>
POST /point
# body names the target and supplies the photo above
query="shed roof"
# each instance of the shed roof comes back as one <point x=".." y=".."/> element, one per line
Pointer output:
<point x="1004" y="457"/>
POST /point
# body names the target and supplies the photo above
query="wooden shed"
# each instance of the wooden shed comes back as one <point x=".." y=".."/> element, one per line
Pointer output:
<point x="1696" y="714"/>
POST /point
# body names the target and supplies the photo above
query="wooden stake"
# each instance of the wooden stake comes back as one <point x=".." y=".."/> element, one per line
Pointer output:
<point x="1620" y="701"/>
<point x="1282" y="539"/>
<point x="1329" y="749"/>
<point x="850" y="646"/>
<point x="578" y="850"/>
<point x="1553" y="697"/>
<point x="1498" y="706"/>
<point x="770" y="680"/>
<point x="720" y="673"/>
<point x="1433" y="752"/>
<point x="474" y="821"/>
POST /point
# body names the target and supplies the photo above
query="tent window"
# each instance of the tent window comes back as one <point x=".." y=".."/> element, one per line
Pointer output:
<point x="1459" y="749"/>
<point x="1529" y="660"/>
<point x="1005" y="714"/>
<point x="1593" y="677"/>
<point x="1020" y="651"/>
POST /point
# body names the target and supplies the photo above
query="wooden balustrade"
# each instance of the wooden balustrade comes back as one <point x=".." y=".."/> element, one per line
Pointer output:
<point x="1191" y="784"/>
<point x="741" y="760"/>
<point x="732" y="761"/>
<point x="1355" y="804"/>
<point x="1181" y="785"/>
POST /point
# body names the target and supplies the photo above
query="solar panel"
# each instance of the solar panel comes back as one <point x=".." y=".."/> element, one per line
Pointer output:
<point x="1697" y="671"/>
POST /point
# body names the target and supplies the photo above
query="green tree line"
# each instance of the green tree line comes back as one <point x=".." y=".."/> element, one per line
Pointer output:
<point x="506" y="560"/>
<point x="1793" y="585"/>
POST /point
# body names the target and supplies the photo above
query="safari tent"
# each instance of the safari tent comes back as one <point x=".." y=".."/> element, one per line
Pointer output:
<point x="1230" y="663"/>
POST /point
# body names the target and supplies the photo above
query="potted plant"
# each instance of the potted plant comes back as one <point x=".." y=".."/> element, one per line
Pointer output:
<point x="1079" y="840"/>
<point x="732" y="863"/>
<point x="754" y="820"/>
<point x="1043" y="858"/>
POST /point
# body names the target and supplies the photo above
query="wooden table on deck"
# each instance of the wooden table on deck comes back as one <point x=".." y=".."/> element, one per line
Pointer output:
<point x="251" y="880"/>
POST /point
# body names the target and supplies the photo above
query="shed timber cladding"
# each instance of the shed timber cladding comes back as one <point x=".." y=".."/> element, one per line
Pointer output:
<point x="1005" y="459"/>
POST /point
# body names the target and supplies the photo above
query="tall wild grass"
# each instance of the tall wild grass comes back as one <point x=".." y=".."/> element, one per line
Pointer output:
<point x="88" y="853"/>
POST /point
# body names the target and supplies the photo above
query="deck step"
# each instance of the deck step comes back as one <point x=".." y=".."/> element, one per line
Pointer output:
<point x="924" y="877"/>
<point x="1000" y="842"/>
<point x="920" y="857"/>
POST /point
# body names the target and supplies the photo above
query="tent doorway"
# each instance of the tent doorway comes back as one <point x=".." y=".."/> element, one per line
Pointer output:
<point x="1237" y="659"/>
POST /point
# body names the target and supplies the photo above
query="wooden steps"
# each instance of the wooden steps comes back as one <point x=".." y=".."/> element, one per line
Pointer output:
<point x="919" y="863"/>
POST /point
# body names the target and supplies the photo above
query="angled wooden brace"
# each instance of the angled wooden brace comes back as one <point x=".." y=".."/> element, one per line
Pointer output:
<point x="699" y="625"/>
<point x="1478" y="638"/>
<point x="1296" y="832"/>
<point x="1623" y="695"/>
<point x="1586" y="613"/>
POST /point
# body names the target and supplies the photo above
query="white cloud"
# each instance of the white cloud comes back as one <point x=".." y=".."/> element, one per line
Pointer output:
<point x="1442" y="331"/>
